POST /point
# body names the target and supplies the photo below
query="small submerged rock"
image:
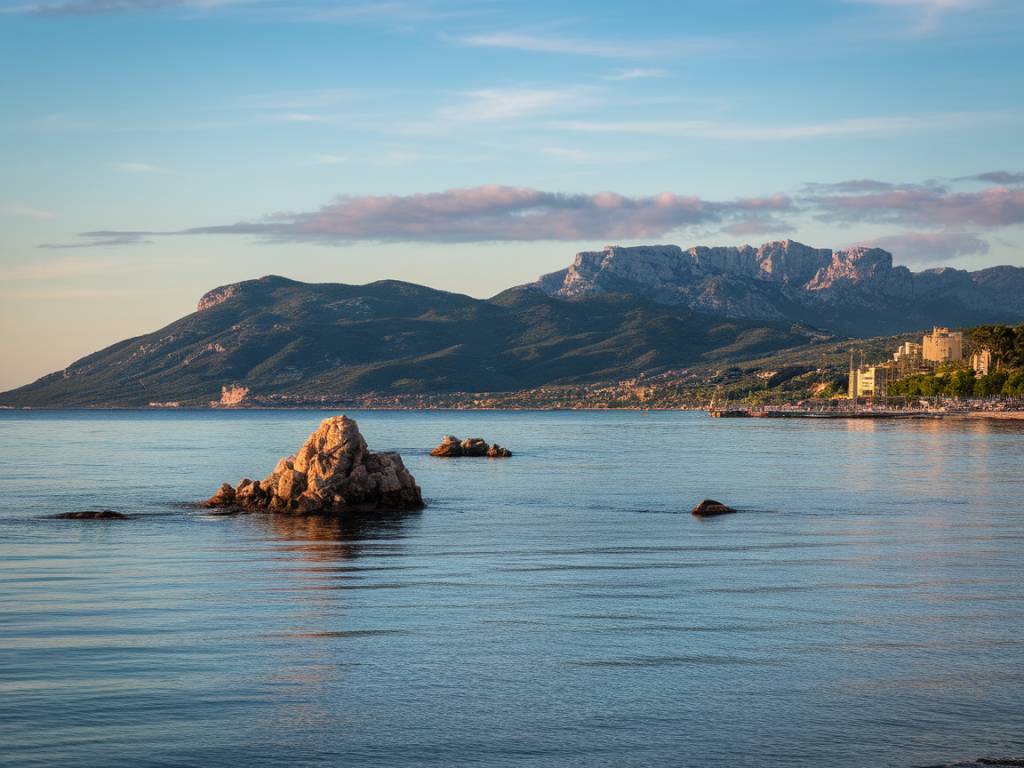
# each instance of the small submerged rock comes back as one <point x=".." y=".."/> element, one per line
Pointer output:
<point x="333" y="471"/>
<point x="452" y="447"/>
<point x="92" y="514"/>
<point x="710" y="507"/>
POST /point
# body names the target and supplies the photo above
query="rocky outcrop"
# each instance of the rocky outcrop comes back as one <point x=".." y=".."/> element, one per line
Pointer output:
<point x="710" y="508"/>
<point x="333" y="472"/>
<point x="217" y="296"/>
<point x="451" y="447"/>
<point x="92" y="514"/>
<point x="856" y="290"/>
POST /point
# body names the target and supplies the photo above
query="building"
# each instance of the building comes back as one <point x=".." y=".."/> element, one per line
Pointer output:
<point x="942" y="346"/>
<point x="909" y="353"/>
<point x="981" y="362"/>
<point x="868" y="381"/>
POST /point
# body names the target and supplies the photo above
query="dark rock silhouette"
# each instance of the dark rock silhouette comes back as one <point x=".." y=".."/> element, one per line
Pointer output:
<point x="92" y="514"/>
<point x="710" y="507"/>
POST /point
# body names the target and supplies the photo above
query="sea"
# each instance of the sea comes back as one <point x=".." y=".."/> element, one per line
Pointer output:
<point x="865" y="606"/>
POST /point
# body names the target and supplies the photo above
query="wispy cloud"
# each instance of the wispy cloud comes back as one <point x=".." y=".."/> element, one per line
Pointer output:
<point x="99" y="7"/>
<point x="132" y="167"/>
<point x="494" y="104"/>
<point x="923" y="205"/>
<point x="996" y="177"/>
<point x="612" y="49"/>
<point x="26" y="212"/>
<point x="490" y="214"/>
<point x="924" y="17"/>
<point x="723" y="131"/>
<point x="940" y="219"/>
<point x="636" y="73"/>
<point x="929" y="247"/>
<point x="297" y="117"/>
<point x="101" y="239"/>
<point x="292" y="101"/>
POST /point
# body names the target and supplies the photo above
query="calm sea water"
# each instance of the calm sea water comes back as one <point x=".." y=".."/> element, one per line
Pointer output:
<point x="560" y="608"/>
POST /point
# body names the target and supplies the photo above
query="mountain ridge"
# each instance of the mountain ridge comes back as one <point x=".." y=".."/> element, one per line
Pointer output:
<point x="787" y="280"/>
<point x="611" y="314"/>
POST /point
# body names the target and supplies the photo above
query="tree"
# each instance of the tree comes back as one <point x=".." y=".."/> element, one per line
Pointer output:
<point x="959" y="384"/>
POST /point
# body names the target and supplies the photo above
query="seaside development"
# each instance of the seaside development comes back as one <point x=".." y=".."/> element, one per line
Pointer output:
<point x="980" y="372"/>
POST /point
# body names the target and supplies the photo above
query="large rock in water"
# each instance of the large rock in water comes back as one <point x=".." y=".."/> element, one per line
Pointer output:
<point x="334" y="472"/>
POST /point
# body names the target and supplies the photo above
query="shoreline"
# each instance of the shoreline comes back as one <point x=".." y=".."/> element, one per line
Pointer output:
<point x="936" y="415"/>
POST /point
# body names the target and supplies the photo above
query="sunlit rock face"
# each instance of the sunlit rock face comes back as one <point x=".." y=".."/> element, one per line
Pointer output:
<point x="333" y="472"/>
<point x="856" y="290"/>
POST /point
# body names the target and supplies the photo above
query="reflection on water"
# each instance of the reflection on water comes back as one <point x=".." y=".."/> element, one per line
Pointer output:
<point x="559" y="608"/>
<point x="329" y="538"/>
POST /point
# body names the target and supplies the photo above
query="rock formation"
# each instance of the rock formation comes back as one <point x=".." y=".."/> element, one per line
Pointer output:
<point x="452" y="447"/>
<point x="710" y="507"/>
<point x="92" y="514"/>
<point x="332" y="472"/>
<point x="856" y="290"/>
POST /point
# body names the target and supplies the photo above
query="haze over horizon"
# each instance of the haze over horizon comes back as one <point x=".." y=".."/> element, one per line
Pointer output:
<point x="155" y="150"/>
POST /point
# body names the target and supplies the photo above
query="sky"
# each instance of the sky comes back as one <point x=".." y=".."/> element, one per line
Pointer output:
<point x="154" y="149"/>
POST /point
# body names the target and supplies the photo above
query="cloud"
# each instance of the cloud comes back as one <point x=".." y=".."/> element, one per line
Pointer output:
<point x="925" y="15"/>
<point x="395" y="12"/>
<point x="100" y="7"/>
<point x="26" y="212"/>
<point x="943" y="221"/>
<point x="494" y="104"/>
<point x="929" y="246"/>
<point x="488" y="214"/>
<point x="637" y="73"/>
<point x="851" y="185"/>
<point x="857" y="126"/>
<point x="139" y="168"/>
<point x="639" y="49"/>
<point x="297" y="117"/>
<point x="98" y="239"/>
<point x="996" y="177"/>
<point x="923" y="205"/>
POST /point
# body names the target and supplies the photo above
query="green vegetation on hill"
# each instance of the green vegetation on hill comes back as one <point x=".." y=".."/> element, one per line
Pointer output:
<point x="1006" y="343"/>
<point x="292" y="343"/>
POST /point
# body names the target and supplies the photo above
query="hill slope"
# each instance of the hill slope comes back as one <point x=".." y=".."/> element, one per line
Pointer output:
<point x="301" y="342"/>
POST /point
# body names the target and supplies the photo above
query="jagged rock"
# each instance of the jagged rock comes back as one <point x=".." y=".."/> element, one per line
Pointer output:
<point x="448" y="448"/>
<point x="224" y="497"/>
<point x="92" y="514"/>
<point x="474" y="446"/>
<point x="710" y="507"/>
<point x="333" y="471"/>
<point x="451" y="447"/>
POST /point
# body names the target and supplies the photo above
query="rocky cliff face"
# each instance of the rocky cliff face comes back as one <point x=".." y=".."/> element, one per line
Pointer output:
<point x="789" y="280"/>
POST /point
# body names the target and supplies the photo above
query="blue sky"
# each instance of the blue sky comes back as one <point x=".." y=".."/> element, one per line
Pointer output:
<point x="152" y="149"/>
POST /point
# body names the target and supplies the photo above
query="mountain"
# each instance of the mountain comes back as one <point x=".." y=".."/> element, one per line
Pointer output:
<point x="292" y="343"/>
<point x="610" y="315"/>
<point x="856" y="291"/>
